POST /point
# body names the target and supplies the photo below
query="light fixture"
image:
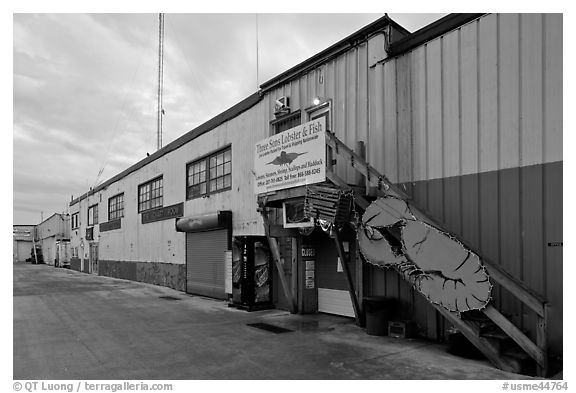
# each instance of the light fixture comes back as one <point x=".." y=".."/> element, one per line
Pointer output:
<point x="316" y="101"/>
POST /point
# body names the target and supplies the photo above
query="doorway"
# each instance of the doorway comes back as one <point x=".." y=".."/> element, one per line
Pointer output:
<point x="93" y="258"/>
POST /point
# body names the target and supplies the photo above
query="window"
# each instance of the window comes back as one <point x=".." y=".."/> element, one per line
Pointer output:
<point x="210" y="174"/>
<point x="116" y="207"/>
<point x="75" y="220"/>
<point x="93" y="215"/>
<point x="321" y="110"/>
<point x="286" y="122"/>
<point x="150" y="195"/>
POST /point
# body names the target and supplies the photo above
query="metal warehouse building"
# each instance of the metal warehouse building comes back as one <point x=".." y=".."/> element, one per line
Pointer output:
<point x="463" y="118"/>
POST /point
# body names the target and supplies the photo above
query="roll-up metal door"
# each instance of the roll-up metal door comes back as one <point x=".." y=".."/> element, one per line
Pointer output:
<point x="205" y="256"/>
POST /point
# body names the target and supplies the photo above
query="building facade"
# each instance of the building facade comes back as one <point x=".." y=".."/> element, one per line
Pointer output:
<point x="53" y="237"/>
<point x="465" y="116"/>
<point x="22" y="242"/>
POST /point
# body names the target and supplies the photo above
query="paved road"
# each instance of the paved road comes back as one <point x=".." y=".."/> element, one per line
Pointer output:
<point x="70" y="325"/>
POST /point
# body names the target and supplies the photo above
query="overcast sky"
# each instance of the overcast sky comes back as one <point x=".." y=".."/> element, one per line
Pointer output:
<point x="85" y="85"/>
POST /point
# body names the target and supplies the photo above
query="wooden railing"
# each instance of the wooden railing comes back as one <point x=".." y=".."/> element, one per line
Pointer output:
<point x="538" y="350"/>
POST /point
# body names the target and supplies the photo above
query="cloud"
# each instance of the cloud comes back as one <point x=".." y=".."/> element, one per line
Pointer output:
<point x="85" y="87"/>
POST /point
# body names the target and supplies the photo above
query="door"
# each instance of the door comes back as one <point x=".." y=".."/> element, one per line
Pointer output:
<point x="333" y="294"/>
<point x="93" y="258"/>
<point x="205" y="263"/>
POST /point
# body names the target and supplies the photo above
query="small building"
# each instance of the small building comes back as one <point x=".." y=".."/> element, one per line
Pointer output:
<point x="22" y="242"/>
<point x="53" y="236"/>
<point x="463" y="118"/>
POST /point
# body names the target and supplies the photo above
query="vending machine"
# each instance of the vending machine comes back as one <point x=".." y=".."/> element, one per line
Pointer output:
<point x="251" y="273"/>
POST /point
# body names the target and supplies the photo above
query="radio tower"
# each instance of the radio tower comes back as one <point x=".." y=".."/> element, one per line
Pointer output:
<point x="160" y="76"/>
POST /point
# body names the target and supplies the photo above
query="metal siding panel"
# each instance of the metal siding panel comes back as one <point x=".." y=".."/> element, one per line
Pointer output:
<point x="320" y="85"/>
<point x="451" y="104"/>
<point x="205" y="263"/>
<point x="362" y="87"/>
<point x="469" y="78"/>
<point x="375" y="145"/>
<point x="510" y="235"/>
<point x="532" y="233"/>
<point x="404" y="121"/>
<point x="350" y="108"/>
<point x="451" y="130"/>
<point x="452" y="204"/>
<point x="509" y="90"/>
<point x="531" y="85"/>
<point x="553" y="217"/>
<point x="489" y="218"/>
<point x="390" y="130"/>
<point x="339" y="112"/>
<point x="488" y="69"/>
<point x="434" y="104"/>
<point x="553" y="87"/>
<point x="418" y="95"/>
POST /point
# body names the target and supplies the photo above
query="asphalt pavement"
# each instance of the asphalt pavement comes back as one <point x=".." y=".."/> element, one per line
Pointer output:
<point x="74" y="326"/>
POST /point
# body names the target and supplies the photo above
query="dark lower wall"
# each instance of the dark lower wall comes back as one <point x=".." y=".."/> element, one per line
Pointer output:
<point x="510" y="217"/>
<point x="158" y="273"/>
<point x="75" y="264"/>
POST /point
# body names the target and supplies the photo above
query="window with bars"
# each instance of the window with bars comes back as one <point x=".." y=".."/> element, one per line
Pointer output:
<point x="116" y="207"/>
<point x="93" y="215"/>
<point x="150" y="195"/>
<point x="286" y="122"/>
<point x="210" y="174"/>
<point x="75" y="220"/>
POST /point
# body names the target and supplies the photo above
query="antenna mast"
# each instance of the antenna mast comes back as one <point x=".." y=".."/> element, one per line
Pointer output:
<point x="160" y="76"/>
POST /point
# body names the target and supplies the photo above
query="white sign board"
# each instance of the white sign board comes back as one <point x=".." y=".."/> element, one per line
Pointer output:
<point x="292" y="158"/>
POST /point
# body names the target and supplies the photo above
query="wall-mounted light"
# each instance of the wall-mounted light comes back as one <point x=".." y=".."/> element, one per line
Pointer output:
<point x="316" y="101"/>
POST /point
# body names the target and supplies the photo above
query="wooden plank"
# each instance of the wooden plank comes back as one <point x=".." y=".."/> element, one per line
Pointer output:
<point x="296" y="256"/>
<point x="277" y="258"/>
<point x="518" y="289"/>
<point x="542" y="341"/>
<point x="360" y="267"/>
<point x="344" y="262"/>
<point x="485" y="346"/>
<point x="514" y="333"/>
<point x="278" y="230"/>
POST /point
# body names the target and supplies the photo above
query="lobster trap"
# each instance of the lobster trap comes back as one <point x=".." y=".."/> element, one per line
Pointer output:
<point x="329" y="204"/>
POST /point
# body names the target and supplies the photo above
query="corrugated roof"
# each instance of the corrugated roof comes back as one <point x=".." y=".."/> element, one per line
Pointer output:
<point x="431" y="31"/>
<point x="333" y="51"/>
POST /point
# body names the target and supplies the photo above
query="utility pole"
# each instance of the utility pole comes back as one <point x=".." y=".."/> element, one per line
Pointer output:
<point x="160" y="76"/>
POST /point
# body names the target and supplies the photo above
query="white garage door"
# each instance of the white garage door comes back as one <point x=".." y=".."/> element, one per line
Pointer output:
<point x="205" y="258"/>
<point x="334" y="301"/>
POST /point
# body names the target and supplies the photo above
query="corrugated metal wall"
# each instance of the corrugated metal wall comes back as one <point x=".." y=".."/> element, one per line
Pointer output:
<point x="470" y="124"/>
<point x="472" y="127"/>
